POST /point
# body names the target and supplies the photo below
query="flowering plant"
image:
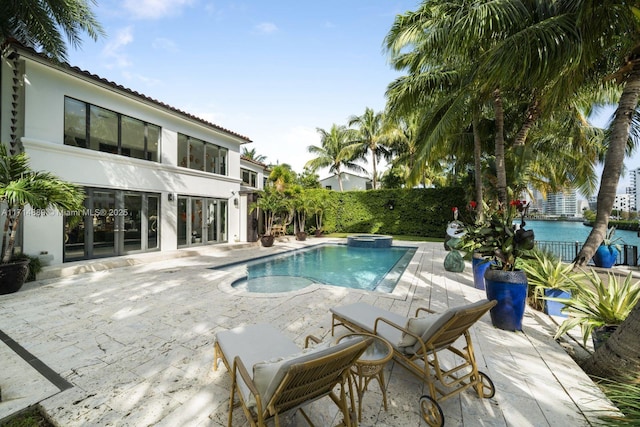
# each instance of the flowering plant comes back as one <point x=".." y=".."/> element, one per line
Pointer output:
<point x="497" y="237"/>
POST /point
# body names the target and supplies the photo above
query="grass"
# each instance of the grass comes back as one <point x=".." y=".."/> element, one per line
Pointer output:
<point x="627" y="398"/>
<point x="31" y="418"/>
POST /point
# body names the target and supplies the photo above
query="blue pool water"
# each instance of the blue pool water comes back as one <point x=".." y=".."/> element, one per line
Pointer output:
<point x="376" y="269"/>
<point x="568" y="231"/>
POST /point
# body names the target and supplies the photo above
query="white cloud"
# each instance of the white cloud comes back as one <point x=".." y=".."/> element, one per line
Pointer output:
<point x="165" y="44"/>
<point x="113" y="50"/>
<point x="155" y="9"/>
<point x="266" y="27"/>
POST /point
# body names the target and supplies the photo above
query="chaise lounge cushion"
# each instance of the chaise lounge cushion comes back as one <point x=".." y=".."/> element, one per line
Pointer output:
<point x="268" y="375"/>
<point x="268" y="353"/>
<point x="364" y="316"/>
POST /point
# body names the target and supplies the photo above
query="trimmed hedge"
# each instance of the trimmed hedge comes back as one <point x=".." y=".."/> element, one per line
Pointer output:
<point x="413" y="212"/>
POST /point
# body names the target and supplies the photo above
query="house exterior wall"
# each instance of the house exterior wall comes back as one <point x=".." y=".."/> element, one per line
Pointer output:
<point x="44" y="90"/>
<point x="350" y="182"/>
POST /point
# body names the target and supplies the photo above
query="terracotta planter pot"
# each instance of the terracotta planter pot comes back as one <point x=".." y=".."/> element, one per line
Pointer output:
<point x="318" y="233"/>
<point x="301" y="235"/>
<point x="13" y="275"/>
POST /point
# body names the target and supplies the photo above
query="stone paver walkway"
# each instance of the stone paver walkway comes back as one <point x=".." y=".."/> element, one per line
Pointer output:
<point x="136" y="344"/>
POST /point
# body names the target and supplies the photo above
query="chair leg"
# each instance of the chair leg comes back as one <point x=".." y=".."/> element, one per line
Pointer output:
<point x="233" y="387"/>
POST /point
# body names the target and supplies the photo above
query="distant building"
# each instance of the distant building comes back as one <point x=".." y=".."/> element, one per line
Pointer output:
<point x="633" y="190"/>
<point x="350" y="182"/>
<point x="622" y="202"/>
<point x="562" y="204"/>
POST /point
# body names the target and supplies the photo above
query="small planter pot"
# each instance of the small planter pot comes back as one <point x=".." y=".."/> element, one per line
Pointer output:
<point x="13" y="275"/>
<point x="601" y="334"/>
<point x="605" y="256"/>
<point x="267" y="240"/>
<point x="301" y="235"/>
<point x="479" y="265"/>
<point x="509" y="289"/>
<point x="554" y="308"/>
<point x="318" y="233"/>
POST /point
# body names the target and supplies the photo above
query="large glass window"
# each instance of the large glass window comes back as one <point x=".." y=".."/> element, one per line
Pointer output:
<point x="75" y="123"/>
<point x="108" y="131"/>
<point x="196" y="154"/>
<point x="103" y="130"/>
<point x="133" y="140"/>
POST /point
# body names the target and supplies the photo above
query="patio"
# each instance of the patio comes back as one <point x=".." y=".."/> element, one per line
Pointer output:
<point x="134" y="345"/>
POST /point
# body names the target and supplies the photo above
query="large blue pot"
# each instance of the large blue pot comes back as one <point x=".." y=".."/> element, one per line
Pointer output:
<point x="479" y="265"/>
<point x="509" y="289"/>
<point x="554" y="308"/>
<point x="605" y="256"/>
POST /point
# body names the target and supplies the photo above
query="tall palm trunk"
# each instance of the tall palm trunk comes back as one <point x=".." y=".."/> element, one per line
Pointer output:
<point x="613" y="163"/>
<point x="501" y="174"/>
<point x="477" y="153"/>
<point x="619" y="357"/>
<point x="375" y="168"/>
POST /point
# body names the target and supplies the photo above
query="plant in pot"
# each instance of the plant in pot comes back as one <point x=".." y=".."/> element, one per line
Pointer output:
<point x="318" y="204"/>
<point x="301" y="206"/>
<point x="505" y="244"/>
<point x="270" y="202"/>
<point x="607" y="253"/>
<point x="548" y="276"/>
<point x="597" y="305"/>
<point x="21" y="188"/>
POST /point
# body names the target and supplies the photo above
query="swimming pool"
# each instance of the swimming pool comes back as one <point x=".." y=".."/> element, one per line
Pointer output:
<point x="340" y="265"/>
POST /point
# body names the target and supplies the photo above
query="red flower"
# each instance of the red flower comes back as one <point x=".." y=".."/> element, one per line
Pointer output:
<point x="473" y="204"/>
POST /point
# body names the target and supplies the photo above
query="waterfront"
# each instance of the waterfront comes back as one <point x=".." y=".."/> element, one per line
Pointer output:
<point x="573" y="231"/>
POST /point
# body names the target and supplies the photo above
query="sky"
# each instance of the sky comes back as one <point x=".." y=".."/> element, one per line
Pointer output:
<point x="271" y="71"/>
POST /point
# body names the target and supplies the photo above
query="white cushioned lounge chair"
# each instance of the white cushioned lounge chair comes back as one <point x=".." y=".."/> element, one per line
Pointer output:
<point x="284" y="377"/>
<point x="417" y="343"/>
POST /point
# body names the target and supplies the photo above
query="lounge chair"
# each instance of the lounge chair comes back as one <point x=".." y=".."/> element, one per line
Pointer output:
<point x="417" y="343"/>
<point x="284" y="377"/>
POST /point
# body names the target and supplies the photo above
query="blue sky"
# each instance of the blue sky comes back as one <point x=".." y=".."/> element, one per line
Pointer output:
<point x="272" y="71"/>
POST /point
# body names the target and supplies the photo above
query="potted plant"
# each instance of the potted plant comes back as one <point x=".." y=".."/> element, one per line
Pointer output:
<point x="301" y="206"/>
<point x="270" y="202"/>
<point x="504" y="243"/>
<point x="548" y="276"/>
<point x="607" y="253"/>
<point x="43" y="193"/>
<point x="599" y="306"/>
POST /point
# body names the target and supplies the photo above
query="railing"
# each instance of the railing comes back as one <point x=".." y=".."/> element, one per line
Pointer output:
<point x="568" y="251"/>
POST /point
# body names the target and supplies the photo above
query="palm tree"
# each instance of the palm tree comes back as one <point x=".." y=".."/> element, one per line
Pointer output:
<point x="371" y="137"/>
<point x="331" y="154"/>
<point x="41" y="191"/>
<point x="252" y="155"/>
<point x="39" y="24"/>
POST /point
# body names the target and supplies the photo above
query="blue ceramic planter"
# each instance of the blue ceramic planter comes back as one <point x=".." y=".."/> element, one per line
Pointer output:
<point x="509" y="289"/>
<point x="605" y="256"/>
<point x="480" y="265"/>
<point x="554" y="307"/>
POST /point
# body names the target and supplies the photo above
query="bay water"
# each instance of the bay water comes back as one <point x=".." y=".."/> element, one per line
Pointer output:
<point x="573" y="231"/>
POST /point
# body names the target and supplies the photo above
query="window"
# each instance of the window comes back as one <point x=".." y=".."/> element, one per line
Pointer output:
<point x="194" y="153"/>
<point x="99" y="129"/>
<point x="249" y="178"/>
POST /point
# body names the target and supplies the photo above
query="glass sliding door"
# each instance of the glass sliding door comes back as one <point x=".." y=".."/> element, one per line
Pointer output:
<point x="183" y="203"/>
<point x="203" y="220"/>
<point x="102" y="232"/>
<point x="132" y="219"/>
<point x="112" y="223"/>
<point x="212" y="220"/>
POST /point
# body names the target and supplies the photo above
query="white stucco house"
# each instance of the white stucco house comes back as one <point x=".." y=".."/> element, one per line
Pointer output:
<point x="156" y="178"/>
<point x="350" y="182"/>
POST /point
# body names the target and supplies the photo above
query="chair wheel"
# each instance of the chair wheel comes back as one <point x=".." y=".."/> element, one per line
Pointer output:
<point x="431" y="411"/>
<point x="486" y="388"/>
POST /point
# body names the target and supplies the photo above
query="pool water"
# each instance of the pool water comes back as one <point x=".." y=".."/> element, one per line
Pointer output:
<point x="371" y="269"/>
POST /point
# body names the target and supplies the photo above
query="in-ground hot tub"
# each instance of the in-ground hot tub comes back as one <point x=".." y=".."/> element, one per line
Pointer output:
<point x="369" y="241"/>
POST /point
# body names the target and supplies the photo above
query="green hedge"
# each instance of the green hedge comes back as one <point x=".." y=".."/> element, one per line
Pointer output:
<point x="412" y="212"/>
